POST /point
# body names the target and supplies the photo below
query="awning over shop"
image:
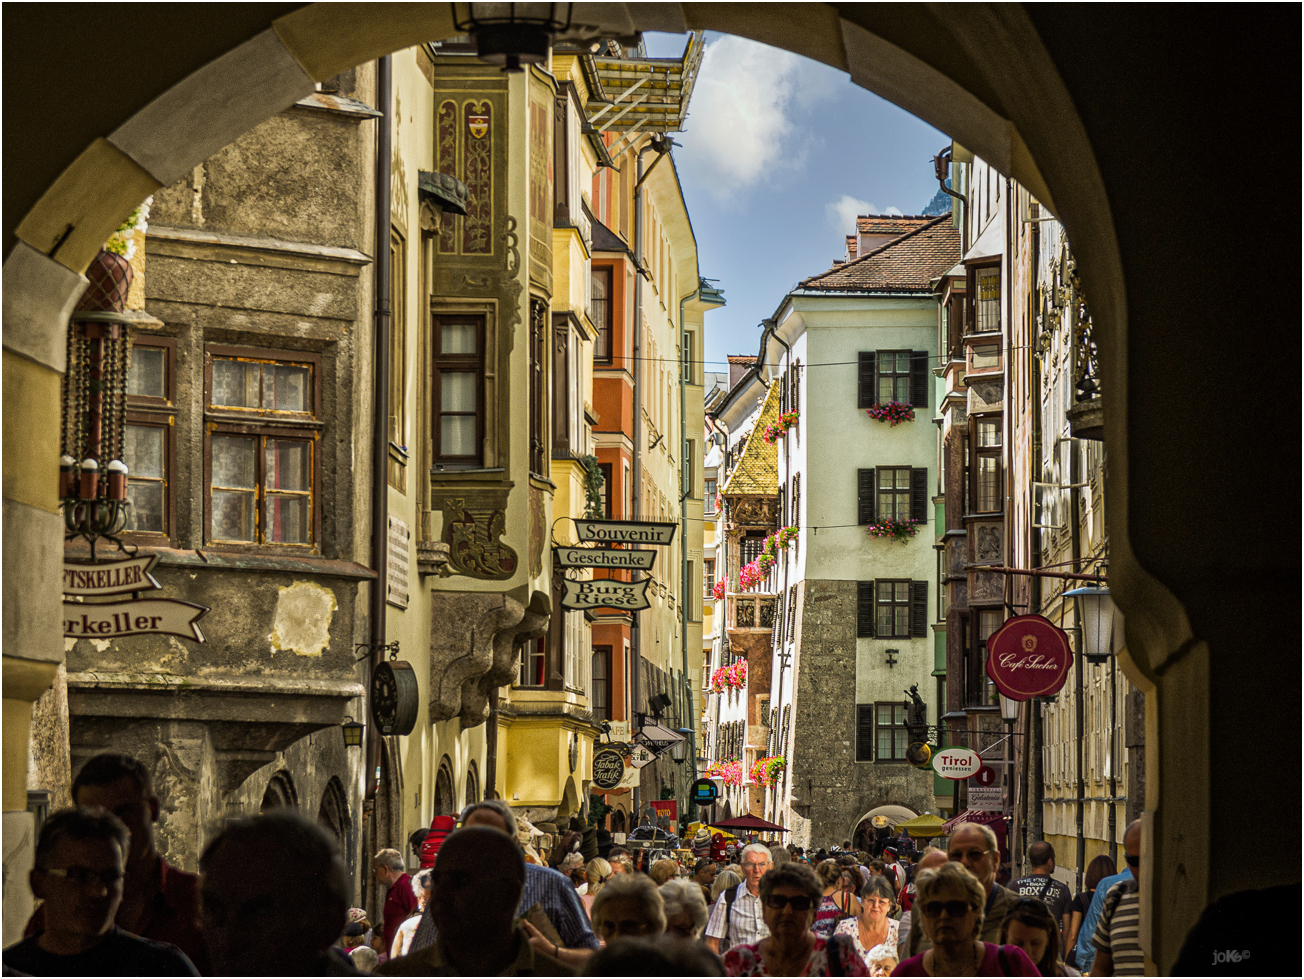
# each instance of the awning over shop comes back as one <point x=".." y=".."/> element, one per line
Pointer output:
<point x="754" y="823"/>
<point x="923" y="827"/>
<point x="992" y="819"/>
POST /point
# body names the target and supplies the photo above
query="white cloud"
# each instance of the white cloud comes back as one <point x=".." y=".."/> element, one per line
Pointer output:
<point x="843" y="212"/>
<point x="742" y="128"/>
<point x="893" y="210"/>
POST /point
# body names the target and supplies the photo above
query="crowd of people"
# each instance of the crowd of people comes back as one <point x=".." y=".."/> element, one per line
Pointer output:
<point x="273" y="898"/>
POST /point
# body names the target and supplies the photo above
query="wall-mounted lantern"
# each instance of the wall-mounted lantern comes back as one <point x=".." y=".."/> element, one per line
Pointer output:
<point x="1096" y="617"/>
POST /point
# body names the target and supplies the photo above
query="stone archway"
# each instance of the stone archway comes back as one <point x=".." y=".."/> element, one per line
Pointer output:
<point x="1014" y="85"/>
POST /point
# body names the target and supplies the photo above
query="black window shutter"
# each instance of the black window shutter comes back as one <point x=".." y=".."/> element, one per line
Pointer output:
<point x="864" y="732"/>
<point x="920" y="376"/>
<point x="787" y="719"/>
<point x="919" y="494"/>
<point x="864" y="610"/>
<point x="866" y="380"/>
<point x="792" y="613"/>
<point x="864" y="496"/>
<point x="919" y="609"/>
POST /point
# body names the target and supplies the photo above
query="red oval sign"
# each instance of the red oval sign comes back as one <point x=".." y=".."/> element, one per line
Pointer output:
<point x="1028" y="656"/>
<point x="985" y="776"/>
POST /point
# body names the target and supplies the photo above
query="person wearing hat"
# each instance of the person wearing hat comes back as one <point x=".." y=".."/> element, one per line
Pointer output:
<point x="893" y="868"/>
<point x="440" y="827"/>
<point x="701" y="845"/>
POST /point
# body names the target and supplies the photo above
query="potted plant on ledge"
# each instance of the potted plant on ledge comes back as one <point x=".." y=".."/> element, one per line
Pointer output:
<point x="894" y="412"/>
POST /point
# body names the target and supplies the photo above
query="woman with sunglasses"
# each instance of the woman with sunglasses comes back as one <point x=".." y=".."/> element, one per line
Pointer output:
<point x="872" y="927"/>
<point x="1031" y="926"/>
<point x="789" y="895"/>
<point x="950" y="902"/>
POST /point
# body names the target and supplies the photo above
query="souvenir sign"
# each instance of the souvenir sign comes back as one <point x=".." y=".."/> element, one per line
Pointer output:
<point x="1028" y="656"/>
<point x="138" y="617"/>
<point x="110" y="577"/>
<point x="624" y="532"/>
<point x="956" y="763"/>
<point x="608" y="769"/>
<point x="627" y="596"/>
<point x="603" y="557"/>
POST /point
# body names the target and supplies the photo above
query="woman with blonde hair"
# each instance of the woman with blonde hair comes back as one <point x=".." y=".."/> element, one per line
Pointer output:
<point x="950" y="903"/>
<point x="663" y="870"/>
<point x="839" y="896"/>
<point x="724" y="880"/>
<point x="596" y="874"/>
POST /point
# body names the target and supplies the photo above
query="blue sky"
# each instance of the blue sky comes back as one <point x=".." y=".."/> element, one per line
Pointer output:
<point x="778" y="155"/>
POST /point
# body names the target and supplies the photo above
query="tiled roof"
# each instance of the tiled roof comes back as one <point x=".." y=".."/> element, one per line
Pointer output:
<point x="742" y="359"/>
<point x="889" y="224"/>
<point x="905" y="264"/>
<point x="851" y="244"/>
<point x="757" y="472"/>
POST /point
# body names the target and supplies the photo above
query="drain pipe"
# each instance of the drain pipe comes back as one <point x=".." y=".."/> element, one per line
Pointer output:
<point x="380" y="409"/>
<point x="685" y="493"/>
<point x="634" y="645"/>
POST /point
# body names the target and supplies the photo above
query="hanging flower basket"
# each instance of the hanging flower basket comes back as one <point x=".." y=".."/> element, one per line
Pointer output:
<point x="772" y="433"/>
<point x="731" y="771"/>
<point x="755" y="572"/>
<point x="901" y="530"/>
<point x="766" y="771"/>
<point x="732" y="677"/>
<point x="894" y="412"/>
<point x="718" y="591"/>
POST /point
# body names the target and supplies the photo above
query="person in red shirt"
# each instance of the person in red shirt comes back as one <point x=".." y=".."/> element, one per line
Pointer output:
<point x="400" y="902"/>
<point x="159" y="902"/>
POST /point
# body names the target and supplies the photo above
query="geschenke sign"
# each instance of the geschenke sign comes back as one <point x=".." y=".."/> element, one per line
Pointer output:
<point x="139" y="617"/>
<point x="602" y="557"/>
<point x="1028" y="656"/>
<point x="624" y="532"/>
<point x="956" y="763"/>
<point x="628" y="596"/>
<point x="110" y="577"/>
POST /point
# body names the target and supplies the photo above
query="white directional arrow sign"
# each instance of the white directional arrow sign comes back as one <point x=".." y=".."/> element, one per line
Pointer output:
<point x="141" y="617"/>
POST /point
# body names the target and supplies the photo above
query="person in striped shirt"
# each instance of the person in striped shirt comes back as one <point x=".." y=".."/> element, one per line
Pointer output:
<point x="1117" y="942"/>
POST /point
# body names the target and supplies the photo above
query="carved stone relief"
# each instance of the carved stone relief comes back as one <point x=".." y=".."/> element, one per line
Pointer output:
<point x="987" y="543"/>
<point x="473" y="526"/>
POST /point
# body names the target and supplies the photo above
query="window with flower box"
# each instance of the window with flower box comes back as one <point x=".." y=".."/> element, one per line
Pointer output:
<point x="898" y="492"/>
<point x="149" y="440"/>
<point x="261" y="439"/>
<point x="893" y="375"/>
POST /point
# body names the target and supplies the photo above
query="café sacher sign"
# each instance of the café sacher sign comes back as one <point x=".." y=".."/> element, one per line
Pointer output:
<point x="1029" y="656"/>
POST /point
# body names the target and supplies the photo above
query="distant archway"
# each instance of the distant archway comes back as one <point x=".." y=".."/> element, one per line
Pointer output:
<point x="280" y="793"/>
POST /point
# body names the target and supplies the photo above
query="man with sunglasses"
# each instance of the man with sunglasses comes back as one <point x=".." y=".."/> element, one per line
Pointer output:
<point x="1115" y="951"/>
<point x="737" y="917"/>
<point x="975" y="846"/>
<point x="79" y="871"/>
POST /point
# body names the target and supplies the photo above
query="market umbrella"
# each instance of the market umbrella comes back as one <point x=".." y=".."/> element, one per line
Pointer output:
<point x="749" y="823"/>
<point x="923" y="827"/>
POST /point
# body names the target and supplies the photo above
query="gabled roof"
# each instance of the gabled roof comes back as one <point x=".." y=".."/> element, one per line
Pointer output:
<point x="757" y="472"/>
<point x="905" y="264"/>
<point x="889" y="224"/>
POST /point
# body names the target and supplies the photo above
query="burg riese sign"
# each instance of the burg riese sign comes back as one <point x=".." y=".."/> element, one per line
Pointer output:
<point x="628" y="596"/>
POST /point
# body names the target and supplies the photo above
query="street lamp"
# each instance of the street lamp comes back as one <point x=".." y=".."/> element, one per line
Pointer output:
<point x="1009" y="709"/>
<point x="352" y="732"/>
<point x="1096" y="616"/>
<point x="512" y="34"/>
<point x="679" y="750"/>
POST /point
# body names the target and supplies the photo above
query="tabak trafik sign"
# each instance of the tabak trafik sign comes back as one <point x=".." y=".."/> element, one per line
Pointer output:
<point x="135" y="616"/>
<point x="1029" y="656"/>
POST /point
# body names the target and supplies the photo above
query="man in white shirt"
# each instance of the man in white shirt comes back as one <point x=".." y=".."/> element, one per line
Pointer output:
<point x="737" y="917"/>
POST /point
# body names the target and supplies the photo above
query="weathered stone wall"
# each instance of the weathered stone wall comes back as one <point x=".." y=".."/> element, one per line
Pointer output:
<point x="840" y="789"/>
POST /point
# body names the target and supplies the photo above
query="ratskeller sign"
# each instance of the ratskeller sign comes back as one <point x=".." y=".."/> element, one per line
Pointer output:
<point x="1029" y="656"/>
<point x="133" y="617"/>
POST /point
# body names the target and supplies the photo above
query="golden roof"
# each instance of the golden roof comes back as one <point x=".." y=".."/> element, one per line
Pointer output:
<point x="757" y="472"/>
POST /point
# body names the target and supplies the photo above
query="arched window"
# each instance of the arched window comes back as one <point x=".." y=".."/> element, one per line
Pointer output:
<point x="472" y="784"/>
<point x="280" y="793"/>
<point x="333" y="813"/>
<point x="445" y="794"/>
